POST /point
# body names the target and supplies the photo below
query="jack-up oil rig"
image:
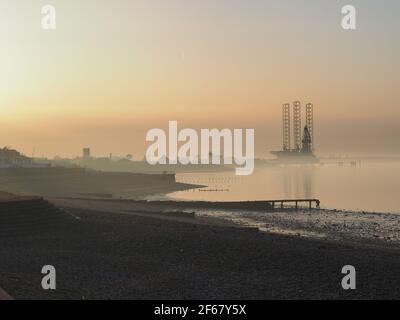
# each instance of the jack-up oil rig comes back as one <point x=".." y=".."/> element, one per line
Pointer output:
<point x="302" y="150"/>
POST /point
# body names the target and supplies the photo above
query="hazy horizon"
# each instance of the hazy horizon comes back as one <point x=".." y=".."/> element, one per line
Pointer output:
<point x="115" y="69"/>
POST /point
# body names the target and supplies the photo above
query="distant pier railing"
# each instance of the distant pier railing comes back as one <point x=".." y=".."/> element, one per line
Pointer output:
<point x="281" y="203"/>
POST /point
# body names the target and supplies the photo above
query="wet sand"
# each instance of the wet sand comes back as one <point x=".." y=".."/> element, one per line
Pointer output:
<point x="379" y="229"/>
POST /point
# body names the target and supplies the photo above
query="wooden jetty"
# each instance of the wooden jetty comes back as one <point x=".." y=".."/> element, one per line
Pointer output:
<point x="295" y="203"/>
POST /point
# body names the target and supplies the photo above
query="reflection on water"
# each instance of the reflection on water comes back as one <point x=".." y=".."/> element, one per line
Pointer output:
<point x="370" y="187"/>
<point x="297" y="183"/>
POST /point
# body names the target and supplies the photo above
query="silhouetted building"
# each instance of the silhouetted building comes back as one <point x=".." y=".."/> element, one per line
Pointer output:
<point x="86" y="153"/>
<point x="11" y="158"/>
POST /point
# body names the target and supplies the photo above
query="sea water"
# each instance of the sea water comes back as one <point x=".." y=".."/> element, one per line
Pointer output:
<point x="369" y="186"/>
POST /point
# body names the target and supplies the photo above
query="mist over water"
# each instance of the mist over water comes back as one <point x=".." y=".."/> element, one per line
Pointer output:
<point x="372" y="187"/>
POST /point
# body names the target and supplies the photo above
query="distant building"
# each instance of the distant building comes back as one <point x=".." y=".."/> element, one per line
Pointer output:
<point x="10" y="158"/>
<point x="86" y="153"/>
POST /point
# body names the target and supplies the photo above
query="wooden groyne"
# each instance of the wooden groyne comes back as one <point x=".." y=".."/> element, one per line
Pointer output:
<point x="295" y="203"/>
<point x="268" y="205"/>
<point x="259" y="206"/>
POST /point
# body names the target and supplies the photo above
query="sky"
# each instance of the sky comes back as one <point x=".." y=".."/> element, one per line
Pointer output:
<point x="115" y="69"/>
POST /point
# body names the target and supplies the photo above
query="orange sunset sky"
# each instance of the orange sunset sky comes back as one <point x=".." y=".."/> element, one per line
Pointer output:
<point x="114" y="69"/>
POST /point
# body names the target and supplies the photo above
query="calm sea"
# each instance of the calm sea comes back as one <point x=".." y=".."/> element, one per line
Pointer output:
<point x="366" y="187"/>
